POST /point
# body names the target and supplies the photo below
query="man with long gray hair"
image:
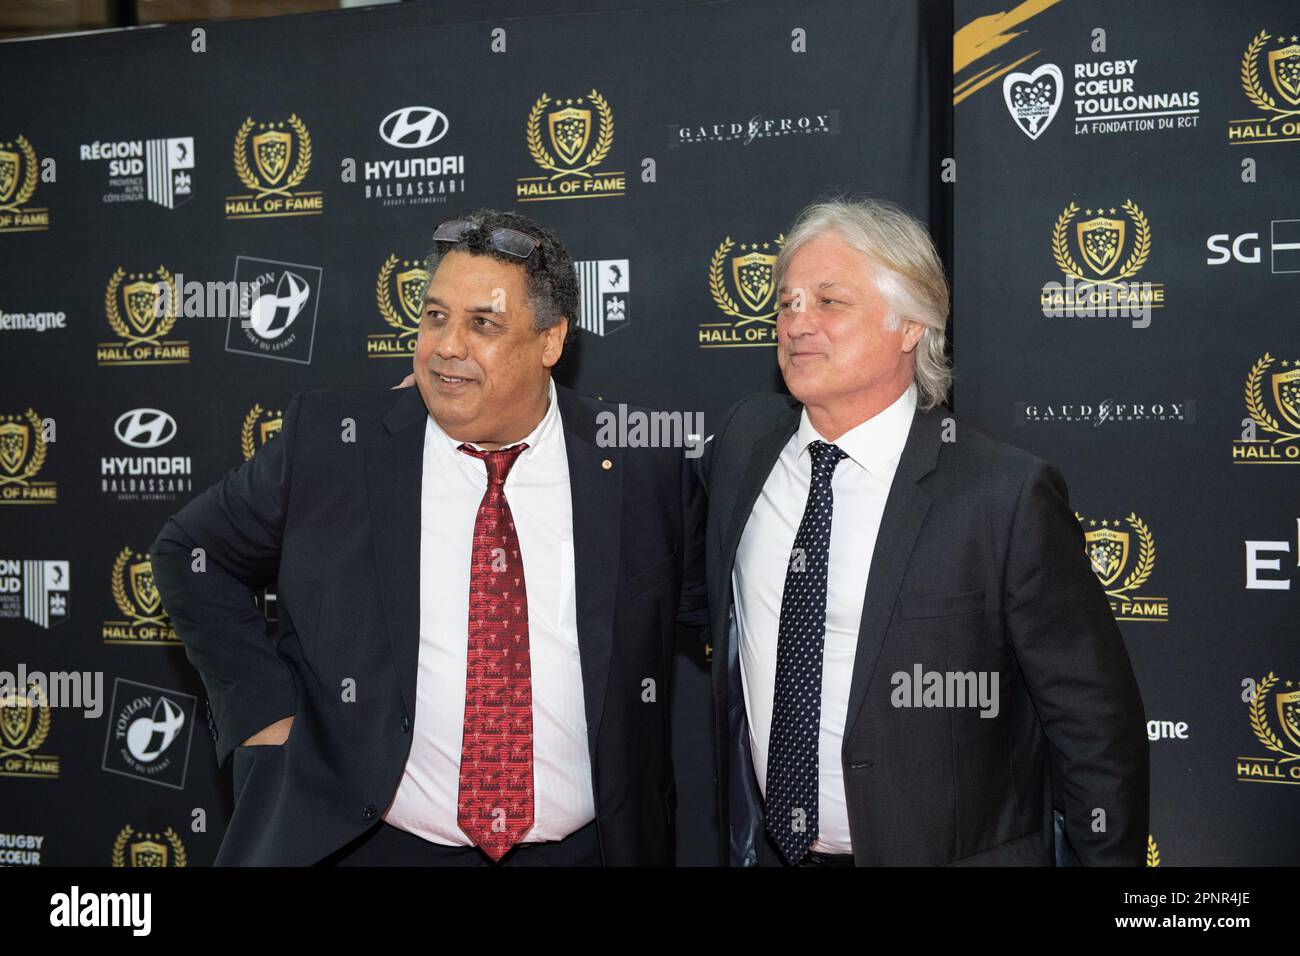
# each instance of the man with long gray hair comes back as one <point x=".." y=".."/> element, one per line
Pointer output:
<point x="913" y="661"/>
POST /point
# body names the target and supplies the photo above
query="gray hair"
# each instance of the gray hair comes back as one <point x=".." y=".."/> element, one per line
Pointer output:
<point x="908" y="274"/>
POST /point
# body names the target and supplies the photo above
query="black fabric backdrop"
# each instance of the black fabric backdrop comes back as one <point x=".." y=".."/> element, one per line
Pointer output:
<point x="1147" y="423"/>
<point x="1181" y="484"/>
<point x="673" y="84"/>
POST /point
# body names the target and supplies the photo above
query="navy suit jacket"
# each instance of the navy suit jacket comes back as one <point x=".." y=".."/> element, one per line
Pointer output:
<point x="337" y="525"/>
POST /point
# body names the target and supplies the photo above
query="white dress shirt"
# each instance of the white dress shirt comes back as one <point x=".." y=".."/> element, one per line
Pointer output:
<point x="537" y="489"/>
<point x="859" y="486"/>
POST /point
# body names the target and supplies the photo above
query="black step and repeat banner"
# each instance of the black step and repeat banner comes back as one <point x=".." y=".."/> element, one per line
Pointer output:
<point x="306" y="160"/>
<point x="1127" y="265"/>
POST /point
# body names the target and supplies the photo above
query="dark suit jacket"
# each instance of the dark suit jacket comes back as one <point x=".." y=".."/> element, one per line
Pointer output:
<point x="979" y="566"/>
<point x="338" y="526"/>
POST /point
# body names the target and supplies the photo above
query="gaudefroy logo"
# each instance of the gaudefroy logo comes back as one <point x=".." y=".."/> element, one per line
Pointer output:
<point x="413" y="127"/>
<point x="756" y="127"/>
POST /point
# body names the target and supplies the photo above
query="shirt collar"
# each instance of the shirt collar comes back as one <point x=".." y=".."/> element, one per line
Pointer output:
<point x="535" y="439"/>
<point x="874" y="443"/>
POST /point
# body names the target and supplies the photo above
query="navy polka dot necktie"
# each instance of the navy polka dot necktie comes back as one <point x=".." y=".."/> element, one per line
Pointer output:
<point x="791" y="797"/>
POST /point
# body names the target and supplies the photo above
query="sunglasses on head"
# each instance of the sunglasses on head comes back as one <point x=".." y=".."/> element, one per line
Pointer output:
<point x="510" y="241"/>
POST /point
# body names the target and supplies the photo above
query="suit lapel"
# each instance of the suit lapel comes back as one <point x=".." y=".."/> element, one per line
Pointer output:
<point x="596" y="487"/>
<point x="905" y="511"/>
<point x="763" y="454"/>
<point x="394" y="468"/>
<point x="762" y="457"/>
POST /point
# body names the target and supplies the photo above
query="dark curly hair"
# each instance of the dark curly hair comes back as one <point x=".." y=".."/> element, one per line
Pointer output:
<point x="552" y="281"/>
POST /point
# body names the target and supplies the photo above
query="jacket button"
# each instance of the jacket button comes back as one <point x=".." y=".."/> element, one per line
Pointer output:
<point x="368" y="811"/>
<point x="406" y="725"/>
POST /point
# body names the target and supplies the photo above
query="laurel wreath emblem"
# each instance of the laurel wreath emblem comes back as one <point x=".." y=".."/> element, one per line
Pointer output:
<point x="179" y="857"/>
<point x="1153" y="851"/>
<point x="119" y="589"/>
<point x="385" y="299"/>
<point x="1255" y="91"/>
<point x="296" y="175"/>
<point x="1146" y="559"/>
<point x="534" y="134"/>
<point x="598" y="152"/>
<point x="162" y="325"/>
<point x="1146" y="555"/>
<point x="1136" y="260"/>
<point x="718" y="284"/>
<point x="1259" y="719"/>
<point x="1250" y="81"/>
<point x="35" y="696"/>
<point x="37" y="457"/>
<point x="1255" y="401"/>
<point x="123" y="601"/>
<point x="119" y="846"/>
<point x="29" y="176"/>
<point x="246" y="443"/>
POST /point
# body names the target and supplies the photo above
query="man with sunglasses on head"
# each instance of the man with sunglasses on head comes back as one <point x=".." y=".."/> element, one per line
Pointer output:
<point x="476" y="598"/>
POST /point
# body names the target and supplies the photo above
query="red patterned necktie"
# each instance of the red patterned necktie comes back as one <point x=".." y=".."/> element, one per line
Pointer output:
<point x="495" y="804"/>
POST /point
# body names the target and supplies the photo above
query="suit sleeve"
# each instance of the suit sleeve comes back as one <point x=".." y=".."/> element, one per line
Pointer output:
<point x="693" y="610"/>
<point x="1079" y="675"/>
<point x="239" y="525"/>
<point x="703" y="465"/>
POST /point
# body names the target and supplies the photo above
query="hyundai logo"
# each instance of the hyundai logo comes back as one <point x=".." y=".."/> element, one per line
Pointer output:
<point x="413" y="127"/>
<point x="145" y="428"/>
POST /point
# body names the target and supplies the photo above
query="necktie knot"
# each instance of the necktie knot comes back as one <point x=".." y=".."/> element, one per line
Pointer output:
<point x="825" y="457"/>
<point x="498" y="463"/>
